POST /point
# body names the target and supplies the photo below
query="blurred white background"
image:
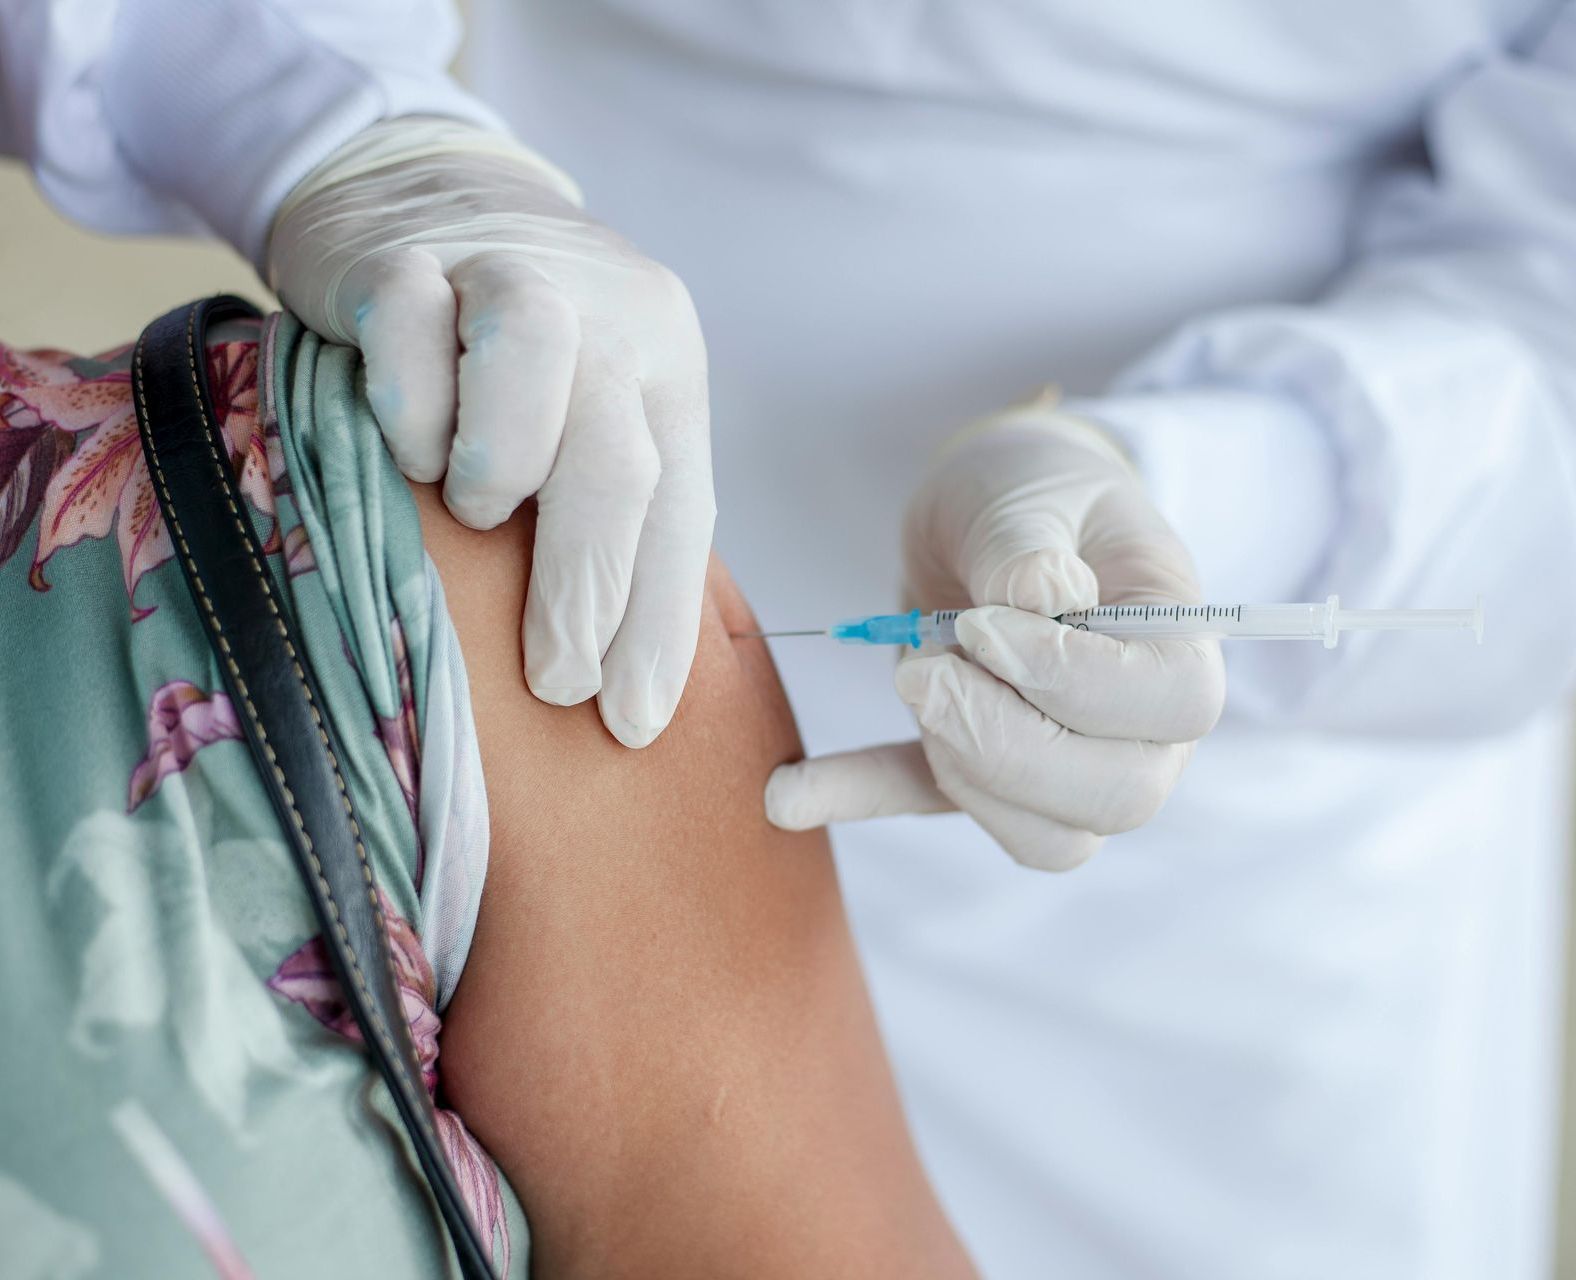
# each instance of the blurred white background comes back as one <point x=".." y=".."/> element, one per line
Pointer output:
<point x="63" y="287"/>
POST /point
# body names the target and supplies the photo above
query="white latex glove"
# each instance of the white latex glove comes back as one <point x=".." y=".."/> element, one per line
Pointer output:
<point x="1050" y="737"/>
<point x="522" y="349"/>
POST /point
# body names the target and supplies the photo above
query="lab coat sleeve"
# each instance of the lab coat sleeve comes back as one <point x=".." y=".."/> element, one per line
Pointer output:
<point x="1409" y="440"/>
<point x="191" y="115"/>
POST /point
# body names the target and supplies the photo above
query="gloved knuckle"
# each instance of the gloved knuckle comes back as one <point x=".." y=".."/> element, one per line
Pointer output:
<point x="498" y="280"/>
<point x="635" y="467"/>
<point x="547" y="313"/>
<point x="419" y="462"/>
<point x="1150" y="785"/>
<point x="480" y="509"/>
<point x="410" y="438"/>
<point x="1116" y="816"/>
<point x="689" y="523"/>
<point x="540" y="319"/>
<point x="670" y="292"/>
<point x="1057" y="850"/>
<point x="396" y="268"/>
<point x="1208" y="700"/>
<point x="1130" y="802"/>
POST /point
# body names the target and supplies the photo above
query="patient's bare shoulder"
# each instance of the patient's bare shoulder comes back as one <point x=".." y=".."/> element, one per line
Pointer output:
<point x="662" y="1033"/>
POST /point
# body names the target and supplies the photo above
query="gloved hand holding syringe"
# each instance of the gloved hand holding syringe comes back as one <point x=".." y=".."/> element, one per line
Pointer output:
<point x="1235" y="621"/>
<point x="1064" y="704"/>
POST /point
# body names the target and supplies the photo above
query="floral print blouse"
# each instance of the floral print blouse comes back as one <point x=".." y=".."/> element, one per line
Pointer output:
<point x="184" y="1091"/>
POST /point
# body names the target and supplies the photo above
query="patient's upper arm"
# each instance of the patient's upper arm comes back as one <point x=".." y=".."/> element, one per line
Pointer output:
<point x="661" y="1032"/>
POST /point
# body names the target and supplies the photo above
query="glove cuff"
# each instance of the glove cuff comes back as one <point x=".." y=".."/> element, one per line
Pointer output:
<point x="392" y="142"/>
<point x="224" y="105"/>
<point x="1042" y="413"/>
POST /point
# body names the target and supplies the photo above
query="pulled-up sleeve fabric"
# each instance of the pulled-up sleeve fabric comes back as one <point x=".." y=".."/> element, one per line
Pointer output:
<point x="192" y="115"/>
<point x="1409" y="440"/>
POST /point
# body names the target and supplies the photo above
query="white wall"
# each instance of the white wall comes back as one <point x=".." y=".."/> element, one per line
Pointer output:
<point x="64" y="287"/>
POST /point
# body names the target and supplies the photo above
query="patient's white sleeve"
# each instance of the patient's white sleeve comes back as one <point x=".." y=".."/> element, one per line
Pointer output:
<point x="455" y="836"/>
<point x="185" y="115"/>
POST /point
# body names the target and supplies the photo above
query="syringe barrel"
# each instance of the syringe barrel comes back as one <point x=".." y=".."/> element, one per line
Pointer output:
<point x="938" y="628"/>
<point x="1261" y="621"/>
<point x="1249" y="621"/>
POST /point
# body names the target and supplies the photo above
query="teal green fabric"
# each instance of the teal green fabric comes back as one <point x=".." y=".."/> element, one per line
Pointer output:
<point x="183" y="1093"/>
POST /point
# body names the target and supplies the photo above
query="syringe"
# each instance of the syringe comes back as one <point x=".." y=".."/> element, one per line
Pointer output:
<point x="1237" y="621"/>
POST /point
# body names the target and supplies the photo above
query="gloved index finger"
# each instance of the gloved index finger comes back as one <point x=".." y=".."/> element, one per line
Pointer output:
<point x="648" y="661"/>
<point x="590" y="513"/>
<point x="521" y="340"/>
<point x="404" y="323"/>
<point x="1158" y="690"/>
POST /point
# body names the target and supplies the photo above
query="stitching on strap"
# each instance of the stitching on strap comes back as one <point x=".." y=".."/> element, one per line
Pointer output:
<point x="227" y="487"/>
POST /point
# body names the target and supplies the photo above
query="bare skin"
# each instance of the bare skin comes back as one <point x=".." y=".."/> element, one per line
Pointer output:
<point x="662" y="1033"/>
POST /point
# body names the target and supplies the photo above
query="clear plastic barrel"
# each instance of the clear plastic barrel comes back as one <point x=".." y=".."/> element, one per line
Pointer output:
<point x="1245" y="621"/>
<point x="1256" y="621"/>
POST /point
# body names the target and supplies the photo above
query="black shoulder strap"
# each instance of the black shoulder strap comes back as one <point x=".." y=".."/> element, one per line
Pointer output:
<point x="265" y="670"/>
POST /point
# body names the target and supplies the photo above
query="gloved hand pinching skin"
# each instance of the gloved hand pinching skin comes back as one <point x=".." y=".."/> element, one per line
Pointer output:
<point x="1052" y="738"/>
<point x="518" y="348"/>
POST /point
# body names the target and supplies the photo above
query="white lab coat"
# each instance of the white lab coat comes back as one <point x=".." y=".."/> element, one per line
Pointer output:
<point x="1306" y="1023"/>
<point x="180" y="115"/>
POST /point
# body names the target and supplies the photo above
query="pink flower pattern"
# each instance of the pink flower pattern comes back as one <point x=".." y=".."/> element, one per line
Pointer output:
<point x="299" y="556"/>
<point x="182" y="719"/>
<point x="306" y="976"/>
<point x="71" y="460"/>
<point x="70" y="456"/>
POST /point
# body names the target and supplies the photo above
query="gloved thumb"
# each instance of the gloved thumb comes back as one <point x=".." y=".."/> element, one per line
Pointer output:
<point x="852" y="785"/>
<point x="1048" y="580"/>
